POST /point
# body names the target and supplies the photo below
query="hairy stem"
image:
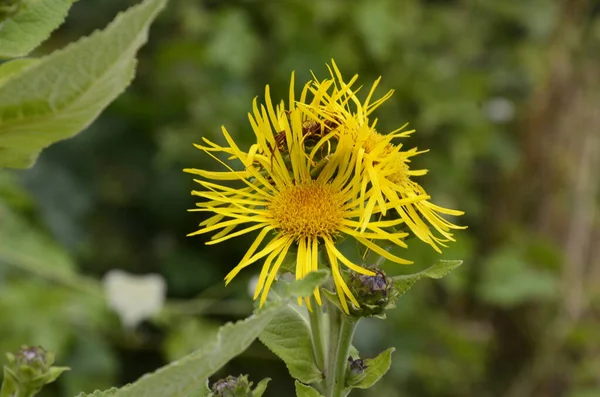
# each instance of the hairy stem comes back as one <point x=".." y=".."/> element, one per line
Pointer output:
<point x="341" y="331"/>
<point x="316" y="330"/>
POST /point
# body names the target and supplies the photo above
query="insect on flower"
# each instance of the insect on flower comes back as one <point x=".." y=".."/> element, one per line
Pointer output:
<point x="312" y="131"/>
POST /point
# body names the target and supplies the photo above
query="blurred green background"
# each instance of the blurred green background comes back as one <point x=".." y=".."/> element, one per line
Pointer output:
<point x="506" y="94"/>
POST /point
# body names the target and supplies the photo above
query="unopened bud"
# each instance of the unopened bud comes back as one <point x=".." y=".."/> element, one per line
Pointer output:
<point x="232" y="387"/>
<point x="375" y="293"/>
<point x="35" y="357"/>
<point x="28" y="371"/>
<point x="355" y="371"/>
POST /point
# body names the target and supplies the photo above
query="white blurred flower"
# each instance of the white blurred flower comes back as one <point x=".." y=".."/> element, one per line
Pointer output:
<point x="499" y="110"/>
<point x="252" y="283"/>
<point x="134" y="298"/>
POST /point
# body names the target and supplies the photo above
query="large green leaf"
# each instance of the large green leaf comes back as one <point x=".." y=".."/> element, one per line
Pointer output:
<point x="306" y="391"/>
<point x="288" y="336"/>
<point x="181" y="378"/>
<point x="64" y="92"/>
<point x="439" y="270"/>
<point x="105" y="393"/>
<point x="31" y="25"/>
<point x="184" y="377"/>
<point x="12" y="68"/>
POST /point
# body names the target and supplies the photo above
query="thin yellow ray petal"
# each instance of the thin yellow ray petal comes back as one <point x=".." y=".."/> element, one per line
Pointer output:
<point x="383" y="252"/>
<point x="253" y="247"/>
<point x="272" y="245"/>
<point x="218" y="175"/>
<point x="221" y="225"/>
<point x="371" y="92"/>
<point x="273" y="272"/>
<point x="300" y="255"/>
<point x="236" y="234"/>
<point x="265" y="271"/>
<point x="358" y="269"/>
<point x="444" y="210"/>
<point x="315" y="267"/>
<point x="335" y="272"/>
<point x="367" y="213"/>
<point x="223" y="232"/>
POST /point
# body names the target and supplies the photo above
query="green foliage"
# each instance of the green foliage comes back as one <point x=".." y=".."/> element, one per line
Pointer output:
<point x="10" y="68"/>
<point x="305" y="286"/>
<point x="106" y="393"/>
<point x="288" y="336"/>
<point x="375" y="368"/>
<point x="509" y="280"/>
<point x="30" y="25"/>
<point x="62" y="93"/>
<point x="303" y="390"/>
<point x="260" y="388"/>
<point x="31" y="249"/>
<point x="182" y="377"/>
<point x="439" y="270"/>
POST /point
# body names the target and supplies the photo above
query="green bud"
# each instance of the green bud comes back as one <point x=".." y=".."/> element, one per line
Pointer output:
<point x="28" y="371"/>
<point x="232" y="387"/>
<point x="375" y="294"/>
<point x="355" y="371"/>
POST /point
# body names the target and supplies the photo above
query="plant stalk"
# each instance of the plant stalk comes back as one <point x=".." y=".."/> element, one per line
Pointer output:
<point x="341" y="332"/>
<point x="316" y="329"/>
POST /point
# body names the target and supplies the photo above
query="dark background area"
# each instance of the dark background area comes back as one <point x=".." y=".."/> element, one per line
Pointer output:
<point x="505" y="94"/>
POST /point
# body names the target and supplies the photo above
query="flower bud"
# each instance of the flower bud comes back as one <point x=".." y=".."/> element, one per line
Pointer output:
<point x="29" y="370"/>
<point x="232" y="387"/>
<point x="375" y="293"/>
<point x="355" y="371"/>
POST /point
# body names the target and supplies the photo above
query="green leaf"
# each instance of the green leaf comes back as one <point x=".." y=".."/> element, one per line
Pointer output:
<point x="306" y="286"/>
<point x="439" y="270"/>
<point x="261" y="387"/>
<point x="288" y="336"/>
<point x="183" y="377"/>
<point x="306" y="391"/>
<point x="62" y="93"/>
<point x="25" y="247"/>
<point x="31" y="25"/>
<point x="204" y="391"/>
<point x="98" y="393"/>
<point x="375" y="368"/>
<point x="12" y="68"/>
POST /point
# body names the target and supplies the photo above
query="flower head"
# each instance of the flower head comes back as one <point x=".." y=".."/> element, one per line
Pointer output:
<point x="386" y="179"/>
<point x="299" y="189"/>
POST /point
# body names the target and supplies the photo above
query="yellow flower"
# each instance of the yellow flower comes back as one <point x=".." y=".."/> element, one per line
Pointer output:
<point x="293" y="193"/>
<point x="382" y="166"/>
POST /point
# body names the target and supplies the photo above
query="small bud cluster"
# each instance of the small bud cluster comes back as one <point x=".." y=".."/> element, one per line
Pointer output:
<point x="28" y="370"/>
<point x="236" y="386"/>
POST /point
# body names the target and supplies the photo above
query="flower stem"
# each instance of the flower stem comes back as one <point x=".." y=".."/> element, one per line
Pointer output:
<point x="316" y="329"/>
<point x="341" y="331"/>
